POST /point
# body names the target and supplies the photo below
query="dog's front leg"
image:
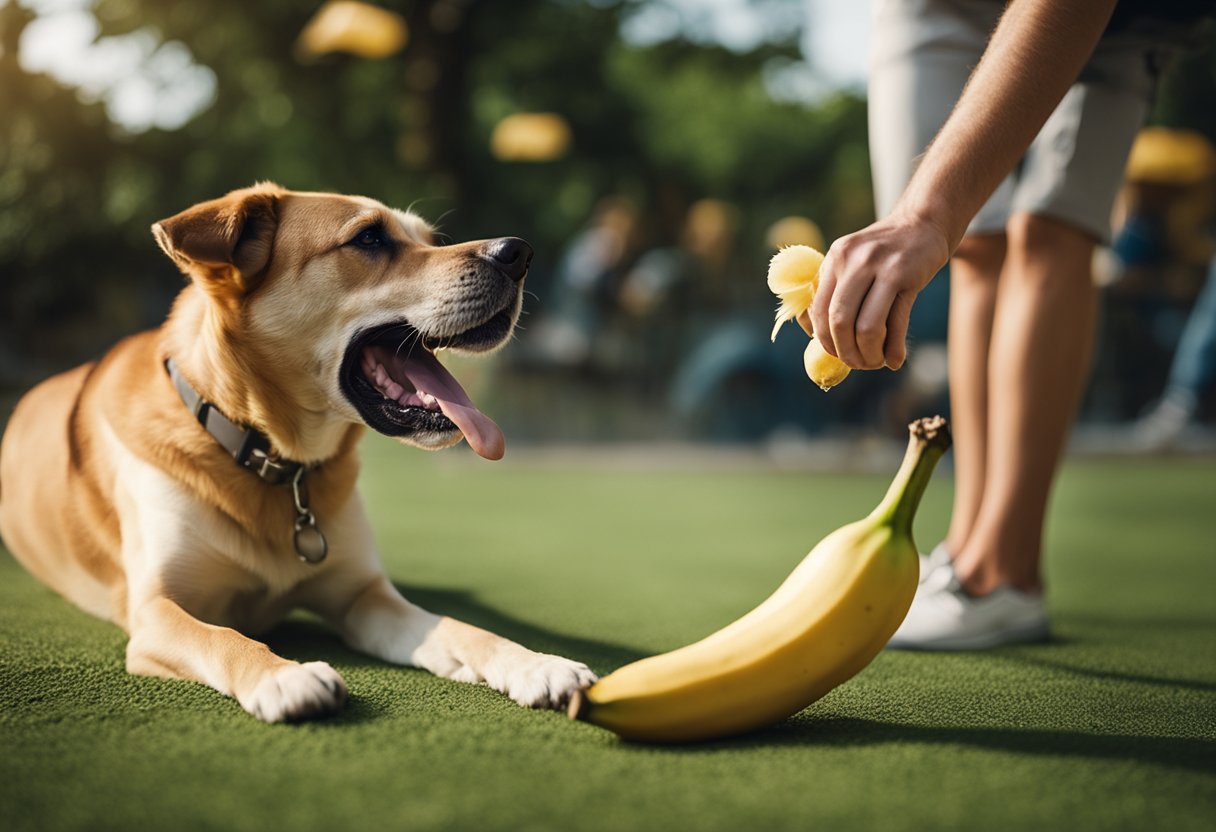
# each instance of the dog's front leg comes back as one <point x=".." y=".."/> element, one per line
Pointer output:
<point x="384" y="624"/>
<point x="167" y="641"/>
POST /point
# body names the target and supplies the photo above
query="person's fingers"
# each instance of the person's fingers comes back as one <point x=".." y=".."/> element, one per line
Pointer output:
<point x="804" y="321"/>
<point x="871" y="328"/>
<point x="819" y="307"/>
<point x="896" y="348"/>
<point x="842" y="317"/>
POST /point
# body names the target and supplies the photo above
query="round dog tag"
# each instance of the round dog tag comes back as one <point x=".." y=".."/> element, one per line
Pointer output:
<point x="310" y="543"/>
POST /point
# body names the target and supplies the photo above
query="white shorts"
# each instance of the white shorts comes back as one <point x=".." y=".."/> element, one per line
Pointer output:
<point x="922" y="53"/>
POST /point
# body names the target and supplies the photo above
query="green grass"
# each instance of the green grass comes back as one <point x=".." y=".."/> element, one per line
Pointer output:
<point x="1111" y="726"/>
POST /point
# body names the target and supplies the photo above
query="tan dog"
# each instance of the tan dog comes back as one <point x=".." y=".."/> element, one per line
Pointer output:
<point x="197" y="508"/>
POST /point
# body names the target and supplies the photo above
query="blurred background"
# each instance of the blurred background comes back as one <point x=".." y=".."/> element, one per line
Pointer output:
<point x="654" y="152"/>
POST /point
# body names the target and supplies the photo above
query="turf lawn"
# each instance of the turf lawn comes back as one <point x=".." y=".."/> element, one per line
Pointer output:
<point x="1111" y="726"/>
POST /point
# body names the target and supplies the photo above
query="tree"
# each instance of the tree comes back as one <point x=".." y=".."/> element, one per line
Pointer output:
<point x="78" y="193"/>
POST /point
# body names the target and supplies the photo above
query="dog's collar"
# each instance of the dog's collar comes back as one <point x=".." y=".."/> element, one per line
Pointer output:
<point x="251" y="450"/>
<point x="248" y="446"/>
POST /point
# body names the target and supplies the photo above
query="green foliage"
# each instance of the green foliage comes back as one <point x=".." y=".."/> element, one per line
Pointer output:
<point x="77" y="193"/>
<point x="663" y="125"/>
<point x="1187" y="89"/>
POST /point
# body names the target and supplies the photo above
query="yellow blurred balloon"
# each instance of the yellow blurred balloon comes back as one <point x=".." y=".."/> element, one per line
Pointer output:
<point x="794" y="231"/>
<point x="530" y="137"/>
<point x="1165" y="156"/>
<point x="356" y="28"/>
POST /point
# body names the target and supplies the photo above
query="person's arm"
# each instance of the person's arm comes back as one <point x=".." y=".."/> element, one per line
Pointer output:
<point x="869" y="279"/>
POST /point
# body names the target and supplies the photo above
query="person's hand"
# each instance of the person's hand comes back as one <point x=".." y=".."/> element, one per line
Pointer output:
<point x="867" y="284"/>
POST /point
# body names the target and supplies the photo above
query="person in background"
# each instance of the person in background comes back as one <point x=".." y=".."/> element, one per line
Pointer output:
<point x="585" y="283"/>
<point x="1192" y="375"/>
<point x="1058" y="92"/>
<point x="1168" y="217"/>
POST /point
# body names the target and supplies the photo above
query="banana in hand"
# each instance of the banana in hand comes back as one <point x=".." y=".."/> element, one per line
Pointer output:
<point x="793" y="276"/>
<point x="826" y="622"/>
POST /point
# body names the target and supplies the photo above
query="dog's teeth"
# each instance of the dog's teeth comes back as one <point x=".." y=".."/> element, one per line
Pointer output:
<point x="394" y="391"/>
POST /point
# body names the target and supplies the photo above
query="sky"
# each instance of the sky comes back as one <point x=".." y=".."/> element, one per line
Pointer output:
<point x="838" y="34"/>
<point x="146" y="82"/>
<point x="834" y="38"/>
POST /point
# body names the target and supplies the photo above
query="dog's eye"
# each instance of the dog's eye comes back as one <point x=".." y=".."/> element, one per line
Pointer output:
<point x="371" y="237"/>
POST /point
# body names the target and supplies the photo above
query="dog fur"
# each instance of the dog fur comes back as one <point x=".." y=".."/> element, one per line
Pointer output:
<point x="114" y="495"/>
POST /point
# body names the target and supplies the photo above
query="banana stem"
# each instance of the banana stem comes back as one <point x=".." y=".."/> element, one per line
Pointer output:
<point x="928" y="440"/>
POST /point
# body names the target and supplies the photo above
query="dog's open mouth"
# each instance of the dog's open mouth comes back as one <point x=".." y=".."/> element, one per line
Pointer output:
<point x="392" y="377"/>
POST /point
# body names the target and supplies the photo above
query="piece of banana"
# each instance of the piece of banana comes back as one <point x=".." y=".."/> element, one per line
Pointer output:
<point x="793" y="275"/>
<point x="825" y="369"/>
<point x="826" y="622"/>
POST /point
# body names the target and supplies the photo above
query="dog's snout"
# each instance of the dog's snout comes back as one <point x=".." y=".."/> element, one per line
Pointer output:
<point x="510" y="254"/>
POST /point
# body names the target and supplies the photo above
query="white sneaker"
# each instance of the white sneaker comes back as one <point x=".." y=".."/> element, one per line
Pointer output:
<point x="930" y="562"/>
<point x="1161" y="427"/>
<point x="944" y="617"/>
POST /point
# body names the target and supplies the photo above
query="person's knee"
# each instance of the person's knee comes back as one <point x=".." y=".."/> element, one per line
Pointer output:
<point x="1035" y="236"/>
<point x="979" y="257"/>
<point x="1051" y="254"/>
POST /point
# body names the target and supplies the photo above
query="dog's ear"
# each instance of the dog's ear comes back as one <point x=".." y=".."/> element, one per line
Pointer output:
<point x="226" y="243"/>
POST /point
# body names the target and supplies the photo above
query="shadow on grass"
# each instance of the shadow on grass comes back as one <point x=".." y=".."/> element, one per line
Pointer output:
<point x="1056" y="655"/>
<point x="850" y="732"/>
<point x="311" y="640"/>
<point x="1178" y="752"/>
<point x="464" y="605"/>
<point x="308" y="639"/>
<point x="1057" y="665"/>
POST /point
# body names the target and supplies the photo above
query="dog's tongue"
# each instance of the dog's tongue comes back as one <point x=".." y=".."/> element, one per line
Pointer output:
<point x="427" y="374"/>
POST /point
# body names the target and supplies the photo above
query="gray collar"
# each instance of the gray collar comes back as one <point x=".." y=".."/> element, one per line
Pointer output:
<point x="248" y="446"/>
<point x="251" y="450"/>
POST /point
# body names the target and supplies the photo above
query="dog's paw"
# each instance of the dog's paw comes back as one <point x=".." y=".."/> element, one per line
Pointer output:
<point x="538" y="680"/>
<point x="296" y="691"/>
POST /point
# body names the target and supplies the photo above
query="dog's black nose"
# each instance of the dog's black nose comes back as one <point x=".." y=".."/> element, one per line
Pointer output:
<point x="510" y="254"/>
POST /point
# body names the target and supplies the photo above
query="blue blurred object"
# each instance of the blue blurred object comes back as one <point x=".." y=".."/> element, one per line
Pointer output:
<point x="929" y="321"/>
<point x="1142" y="241"/>
<point x="1194" y="365"/>
<point x="734" y="385"/>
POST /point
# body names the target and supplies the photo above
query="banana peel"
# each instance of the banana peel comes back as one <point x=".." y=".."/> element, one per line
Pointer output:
<point x="793" y="276"/>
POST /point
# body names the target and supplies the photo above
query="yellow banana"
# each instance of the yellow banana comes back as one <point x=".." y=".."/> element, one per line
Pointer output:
<point x="793" y="275"/>
<point x="826" y="622"/>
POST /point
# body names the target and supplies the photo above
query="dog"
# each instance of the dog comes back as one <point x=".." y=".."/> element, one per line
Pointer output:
<point x="197" y="482"/>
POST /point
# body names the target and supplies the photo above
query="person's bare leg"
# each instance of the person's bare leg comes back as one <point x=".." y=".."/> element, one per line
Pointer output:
<point x="974" y="270"/>
<point x="1039" y="358"/>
